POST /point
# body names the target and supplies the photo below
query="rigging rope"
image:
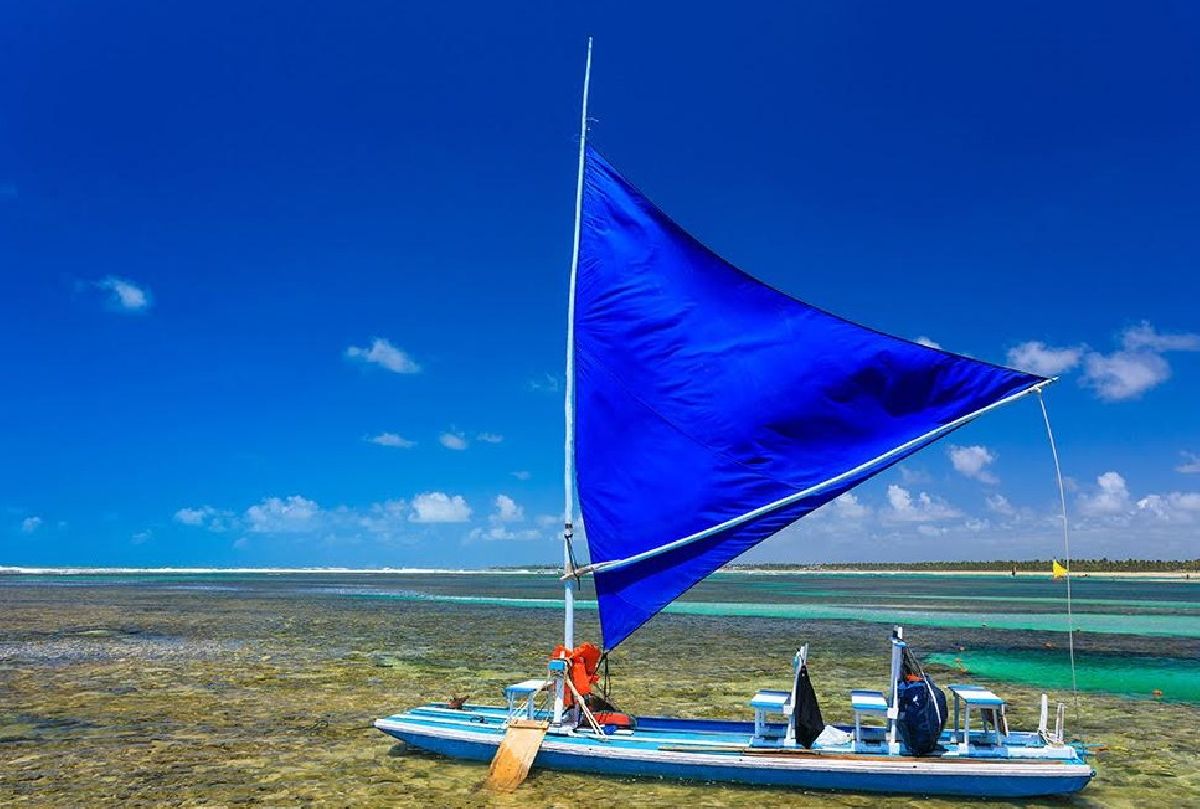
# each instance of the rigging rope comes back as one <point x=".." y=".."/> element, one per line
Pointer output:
<point x="605" y="688"/>
<point x="1062" y="496"/>
<point x="572" y="565"/>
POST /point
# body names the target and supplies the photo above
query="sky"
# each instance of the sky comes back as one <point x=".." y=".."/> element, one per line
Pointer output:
<point x="285" y="283"/>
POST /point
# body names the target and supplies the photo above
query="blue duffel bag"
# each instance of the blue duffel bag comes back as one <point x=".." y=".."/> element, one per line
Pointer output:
<point x="922" y="714"/>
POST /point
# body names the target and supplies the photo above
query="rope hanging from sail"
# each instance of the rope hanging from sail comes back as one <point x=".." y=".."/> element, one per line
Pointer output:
<point x="1062" y="496"/>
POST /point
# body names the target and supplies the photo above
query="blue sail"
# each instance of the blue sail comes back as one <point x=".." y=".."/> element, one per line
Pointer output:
<point x="707" y="400"/>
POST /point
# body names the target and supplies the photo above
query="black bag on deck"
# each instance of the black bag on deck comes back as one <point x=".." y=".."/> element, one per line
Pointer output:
<point x="922" y="714"/>
<point x="806" y="713"/>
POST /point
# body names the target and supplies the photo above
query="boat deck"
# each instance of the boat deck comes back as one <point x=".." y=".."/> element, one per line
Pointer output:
<point x="732" y="736"/>
<point x="726" y="750"/>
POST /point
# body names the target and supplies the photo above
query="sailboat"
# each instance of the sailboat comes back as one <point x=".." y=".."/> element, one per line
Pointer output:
<point x="704" y="412"/>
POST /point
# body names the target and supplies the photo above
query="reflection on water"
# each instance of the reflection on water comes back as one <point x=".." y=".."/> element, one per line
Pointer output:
<point x="140" y="691"/>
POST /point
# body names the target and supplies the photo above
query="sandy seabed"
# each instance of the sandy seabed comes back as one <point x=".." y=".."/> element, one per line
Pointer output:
<point x="264" y="695"/>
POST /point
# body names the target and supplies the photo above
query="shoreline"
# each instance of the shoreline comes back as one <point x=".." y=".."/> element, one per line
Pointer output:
<point x="1180" y="575"/>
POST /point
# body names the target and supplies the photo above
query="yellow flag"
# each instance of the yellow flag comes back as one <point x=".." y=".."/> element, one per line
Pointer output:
<point x="1059" y="570"/>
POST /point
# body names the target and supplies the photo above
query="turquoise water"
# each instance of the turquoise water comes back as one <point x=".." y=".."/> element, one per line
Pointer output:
<point x="1133" y="636"/>
<point x="1056" y="601"/>
<point x="1183" y="626"/>
<point x="1174" y="679"/>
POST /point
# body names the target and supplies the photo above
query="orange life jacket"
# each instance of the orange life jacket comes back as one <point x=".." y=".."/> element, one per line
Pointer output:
<point x="582" y="664"/>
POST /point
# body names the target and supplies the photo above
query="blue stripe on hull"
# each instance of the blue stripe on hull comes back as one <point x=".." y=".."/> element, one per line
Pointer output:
<point x="998" y="786"/>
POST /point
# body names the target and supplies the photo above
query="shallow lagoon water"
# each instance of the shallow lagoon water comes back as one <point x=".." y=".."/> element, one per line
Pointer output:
<point x="243" y="689"/>
<point x="1172" y="678"/>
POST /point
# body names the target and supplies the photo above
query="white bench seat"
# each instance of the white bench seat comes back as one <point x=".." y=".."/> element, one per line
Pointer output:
<point x="526" y="690"/>
<point x="988" y="704"/>
<point x="866" y="703"/>
<point x="527" y="687"/>
<point x="774" y="701"/>
<point x="767" y="702"/>
<point x="976" y="695"/>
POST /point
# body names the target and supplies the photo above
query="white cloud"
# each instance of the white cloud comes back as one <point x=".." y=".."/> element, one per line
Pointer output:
<point x="521" y="474"/>
<point x="506" y="514"/>
<point x="848" y="507"/>
<point x="842" y="510"/>
<point x="925" y="341"/>
<point x="912" y="477"/>
<point x="1138" y="366"/>
<point x="205" y="517"/>
<point x="1108" y="520"/>
<point x="389" y="521"/>
<point x="385" y="520"/>
<point x="1144" y="337"/>
<point x="500" y="531"/>
<point x="289" y="515"/>
<point x="1111" y="496"/>
<point x="504" y="523"/>
<point x="547" y="383"/>
<point x="382" y="353"/>
<point x="507" y="509"/>
<point x="1149" y="525"/>
<point x="1190" y="465"/>
<point x="899" y="498"/>
<point x="973" y="461"/>
<point x="923" y="508"/>
<point x="30" y="524"/>
<point x="192" y="516"/>
<point x="297" y="515"/>
<point x="1176" y="507"/>
<point x="490" y="438"/>
<point x="1134" y="368"/>
<point x="439" y="507"/>
<point x="390" y="440"/>
<point x="1124" y="374"/>
<point x="125" y="295"/>
<point x="142" y="537"/>
<point x="455" y="441"/>
<point x="999" y="504"/>
<point x="1038" y="358"/>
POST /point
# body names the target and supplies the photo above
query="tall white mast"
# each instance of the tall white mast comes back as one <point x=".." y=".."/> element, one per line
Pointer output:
<point x="569" y="396"/>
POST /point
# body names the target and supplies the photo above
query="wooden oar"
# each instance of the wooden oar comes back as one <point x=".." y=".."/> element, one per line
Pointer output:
<point x="515" y="754"/>
<point x="518" y="749"/>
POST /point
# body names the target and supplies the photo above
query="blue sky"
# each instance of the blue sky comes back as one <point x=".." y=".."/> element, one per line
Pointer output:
<point x="285" y="283"/>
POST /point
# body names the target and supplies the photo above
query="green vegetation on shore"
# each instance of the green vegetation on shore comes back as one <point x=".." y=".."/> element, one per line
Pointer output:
<point x="1000" y="566"/>
<point x="1103" y="565"/>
